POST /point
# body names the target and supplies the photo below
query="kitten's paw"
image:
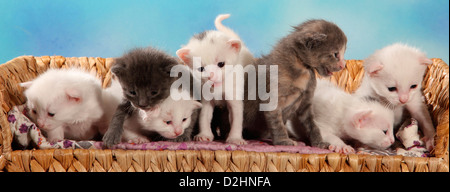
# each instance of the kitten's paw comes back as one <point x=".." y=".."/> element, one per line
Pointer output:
<point x="139" y="140"/>
<point x="341" y="149"/>
<point x="203" y="137"/>
<point x="286" y="141"/>
<point x="237" y="141"/>
<point x="111" y="138"/>
<point x="322" y="145"/>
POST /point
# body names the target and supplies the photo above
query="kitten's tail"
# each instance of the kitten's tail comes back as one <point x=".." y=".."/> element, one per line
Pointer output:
<point x="223" y="28"/>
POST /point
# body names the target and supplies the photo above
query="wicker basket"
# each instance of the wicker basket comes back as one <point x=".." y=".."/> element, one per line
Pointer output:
<point x="25" y="68"/>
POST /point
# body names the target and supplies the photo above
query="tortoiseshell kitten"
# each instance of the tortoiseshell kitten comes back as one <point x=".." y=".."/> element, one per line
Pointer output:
<point x="315" y="45"/>
<point x="144" y="74"/>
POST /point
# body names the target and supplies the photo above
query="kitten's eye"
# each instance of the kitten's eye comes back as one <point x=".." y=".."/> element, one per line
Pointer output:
<point x="336" y="55"/>
<point x="391" y="89"/>
<point x="221" y="64"/>
<point x="385" y="131"/>
<point x="34" y="111"/>
<point x="51" y="114"/>
<point x="201" y="69"/>
<point x="133" y="93"/>
<point x="184" y="119"/>
<point x="154" y="92"/>
<point x="168" y="122"/>
<point x="413" y="86"/>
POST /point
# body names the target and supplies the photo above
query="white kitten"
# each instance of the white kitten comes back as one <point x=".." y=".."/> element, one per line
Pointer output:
<point x="341" y="116"/>
<point x="170" y="119"/>
<point x="66" y="104"/>
<point x="218" y="51"/>
<point x="393" y="76"/>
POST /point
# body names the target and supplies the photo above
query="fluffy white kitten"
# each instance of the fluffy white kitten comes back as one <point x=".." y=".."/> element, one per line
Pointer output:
<point x="341" y="116"/>
<point x="393" y="76"/>
<point x="217" y="50"/>
<point x="66" y="104"/>
<point x="170" y="119"/>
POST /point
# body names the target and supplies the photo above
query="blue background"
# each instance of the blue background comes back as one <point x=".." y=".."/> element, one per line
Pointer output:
<point x="75" y="28"/>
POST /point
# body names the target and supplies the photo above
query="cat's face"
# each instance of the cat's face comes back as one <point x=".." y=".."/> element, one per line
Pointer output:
<point x="63" y="96"/>
<point x="171" y="119"/>
<point x="50" y="110"/>
<point x="215" y="52"/>
<point x="144" y="75"/>
<point x="373" y="127"/>
<point x="396" y="73"/>
<point x="320" y="45"/>
<point x="329" y="60"/>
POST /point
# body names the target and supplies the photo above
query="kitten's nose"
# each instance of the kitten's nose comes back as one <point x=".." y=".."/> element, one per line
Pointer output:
<point x="341" y="64"/>
<point x="178" y="131"/>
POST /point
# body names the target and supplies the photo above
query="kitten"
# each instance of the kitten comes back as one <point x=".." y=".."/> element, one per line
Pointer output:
<point x="315" y="45"/>
<point x="393" y="76"/>
<point x="66" y="104"/>
<point x="144" y="75"/>
<point x="340" y="116"/>
<point x="171" y="120"/>
<point x="219" y="51"/>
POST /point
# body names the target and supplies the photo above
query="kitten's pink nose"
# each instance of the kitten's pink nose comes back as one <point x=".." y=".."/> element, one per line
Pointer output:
<point x="178" y="131"/>
<point x="341" y="64"/>
<point x="40" y="123"/>
<point x="403" y="99"/>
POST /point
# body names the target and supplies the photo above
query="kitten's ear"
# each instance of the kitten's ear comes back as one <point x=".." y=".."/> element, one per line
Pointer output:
<point x="184" y="55"/>
<point x="26" y="84"/>
<point x="235" y="45"/>
<point x="311" y="39"/>
<point x="73" y="95"/>
<point x="425" y="61"/>
<point x="374" y="68"/>
<point x="117" y="69"/>
<point x="197" y="105"/>
<point x="361" y="118"/>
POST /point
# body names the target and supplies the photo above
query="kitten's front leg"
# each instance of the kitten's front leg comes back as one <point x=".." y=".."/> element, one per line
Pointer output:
<point x="336" y="144"/>
<point x="419" y="111"/>
<point x="206" y="114"/>
<point x="114" y="133"/>
<point x="236" y="116"/>
<point x="55" y="135"/>
<point x="278" y="130"/>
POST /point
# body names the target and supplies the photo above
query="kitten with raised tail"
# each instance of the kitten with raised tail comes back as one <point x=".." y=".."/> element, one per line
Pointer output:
<point x="144" y="75"/>
<point x="67" y="104"/>
<point x="393" y="76"/>
<point x="315" y="45"/>
<point x="220" y="52"/>
<point x="171" y="120"/>
<point x="343" y="118"/>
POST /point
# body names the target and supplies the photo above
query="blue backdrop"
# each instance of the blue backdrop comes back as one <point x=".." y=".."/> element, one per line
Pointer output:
<point x="75" y="28"/>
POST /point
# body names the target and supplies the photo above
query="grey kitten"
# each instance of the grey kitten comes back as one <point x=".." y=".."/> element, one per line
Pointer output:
<point x="144" y="74"/>
<point x="315" y="45"/>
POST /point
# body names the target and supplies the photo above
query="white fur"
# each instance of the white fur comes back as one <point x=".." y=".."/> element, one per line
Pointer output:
<point x="341" y="116"/>
<point x="169" y="119"/>
<point x="73" y="96"/>
<point x="399" y="66"/>
<point x="218" y="46"/>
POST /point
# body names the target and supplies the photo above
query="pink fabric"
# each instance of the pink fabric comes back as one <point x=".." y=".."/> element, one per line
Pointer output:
<point x="253" y="145"/>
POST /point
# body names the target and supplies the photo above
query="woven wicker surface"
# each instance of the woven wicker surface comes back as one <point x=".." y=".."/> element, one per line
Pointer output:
<point x="26" y="68"/>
